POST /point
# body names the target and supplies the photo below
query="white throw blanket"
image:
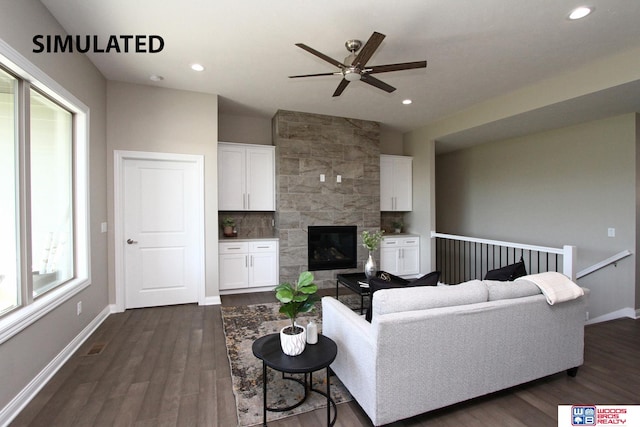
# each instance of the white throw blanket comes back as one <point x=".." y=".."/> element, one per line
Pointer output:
<point x="555" y="286"/>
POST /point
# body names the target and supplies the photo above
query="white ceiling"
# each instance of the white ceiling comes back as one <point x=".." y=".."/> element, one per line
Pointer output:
<point x="476" y="50"/>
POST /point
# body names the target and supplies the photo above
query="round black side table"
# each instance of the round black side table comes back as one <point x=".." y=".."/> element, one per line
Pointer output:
<point x="314" y="358"/>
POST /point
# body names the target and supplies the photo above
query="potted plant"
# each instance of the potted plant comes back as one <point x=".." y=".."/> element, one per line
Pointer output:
<point x="295" y="299"/>
<point x="371" y="242"/>
<point x="227" y="226"/>
<point x="397" y="226"/>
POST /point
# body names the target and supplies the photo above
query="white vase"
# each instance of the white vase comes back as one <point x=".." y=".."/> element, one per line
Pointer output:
<point x="370" y="268"/>
<point x="293" y="345"/>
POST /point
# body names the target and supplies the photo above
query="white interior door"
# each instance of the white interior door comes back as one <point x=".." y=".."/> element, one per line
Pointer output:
<point x="161" y="239"/>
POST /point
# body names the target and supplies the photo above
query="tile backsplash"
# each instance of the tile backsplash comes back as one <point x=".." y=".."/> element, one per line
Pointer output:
<point x="250" y="225"/>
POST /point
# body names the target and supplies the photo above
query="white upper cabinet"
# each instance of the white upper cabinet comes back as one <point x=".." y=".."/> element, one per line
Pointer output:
<point x="396" y="188"/>
<point x="246" y="177"/>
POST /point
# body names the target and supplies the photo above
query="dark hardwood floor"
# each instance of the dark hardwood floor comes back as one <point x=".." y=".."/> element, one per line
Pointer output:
<point x="167" y="366"/>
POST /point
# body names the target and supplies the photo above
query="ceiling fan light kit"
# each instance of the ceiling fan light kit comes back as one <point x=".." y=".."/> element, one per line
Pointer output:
<point x="354" y="66"/>
<point x="351" y="74"/>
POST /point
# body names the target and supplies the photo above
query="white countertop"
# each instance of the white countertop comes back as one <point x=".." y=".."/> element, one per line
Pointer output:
<point x="245" y="239"/>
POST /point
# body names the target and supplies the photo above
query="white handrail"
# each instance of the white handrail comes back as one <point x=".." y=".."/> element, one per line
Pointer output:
<point x="597" y="266"/>
<point x="568" y="252"/>
<point x="559" y="251"/>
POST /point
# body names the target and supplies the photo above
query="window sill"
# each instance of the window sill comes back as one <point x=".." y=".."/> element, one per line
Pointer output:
<point x="22" y="317"/>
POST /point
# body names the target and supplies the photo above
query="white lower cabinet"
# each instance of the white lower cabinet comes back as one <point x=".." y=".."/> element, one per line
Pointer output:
<point x="400" y="256"/>
<point x="248" y="264"/>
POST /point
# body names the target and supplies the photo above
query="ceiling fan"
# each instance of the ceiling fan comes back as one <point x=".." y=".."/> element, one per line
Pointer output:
<point x="354" y="66"/>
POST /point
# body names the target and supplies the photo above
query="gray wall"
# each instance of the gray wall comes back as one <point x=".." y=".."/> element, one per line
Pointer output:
<point x="422" y="219"/>
<point x="244" y="129"/>
<point x="145" y="118"/>
<point x="26" y="354"/>
<point x="257" y="130"/>
<point x="566" y="186"/>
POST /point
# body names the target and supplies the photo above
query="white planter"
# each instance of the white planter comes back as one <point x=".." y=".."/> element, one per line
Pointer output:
<point x="293" y="345"/>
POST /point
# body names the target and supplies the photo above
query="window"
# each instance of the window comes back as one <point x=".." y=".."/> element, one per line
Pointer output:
<point x="9" y="295"/>
<point x="44" y="234"/>
<point x="51" y="194"/>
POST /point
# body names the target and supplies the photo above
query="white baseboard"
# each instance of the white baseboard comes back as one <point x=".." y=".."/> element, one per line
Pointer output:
<point x="250" y="290"/>
<point x="215" y="300"/>
<point x="9" y="412"/>
<point x="624" y="312"/>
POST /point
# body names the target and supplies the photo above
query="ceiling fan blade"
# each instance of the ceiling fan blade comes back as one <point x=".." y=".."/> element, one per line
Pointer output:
<point x="341" y="87"/>
<point x="369" y="48"/>
<point x="377" y="83"/>
<point x="314" y="75"/>
<point x="396" y="67"/>
<point x="321" y="55"/>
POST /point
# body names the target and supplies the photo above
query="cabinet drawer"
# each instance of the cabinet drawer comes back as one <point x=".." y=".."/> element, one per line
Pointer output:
<point x="263" y="246"/>
<point x="386" y="242"/>
<point x="234" y="248"/>
<point x="411" y="241"/>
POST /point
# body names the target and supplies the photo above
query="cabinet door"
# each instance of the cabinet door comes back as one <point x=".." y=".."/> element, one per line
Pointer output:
<point x="389" y="260"/>
<point x="260" y="179"/>
<point x="386" y="183"/>
<point x="410" y="260"/>
<point x="231" y="177"/>
<point x="263" y="269"/>
<point x="396" y="183"/>
<point x="402" y="183"/>
<point x="234" y="271"/>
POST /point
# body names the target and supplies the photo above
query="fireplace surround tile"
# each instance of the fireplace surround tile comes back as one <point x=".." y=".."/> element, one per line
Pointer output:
<point x="308" y="145"/>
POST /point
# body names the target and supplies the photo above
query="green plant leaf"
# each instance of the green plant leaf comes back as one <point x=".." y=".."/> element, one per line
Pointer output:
<point x="305" y="279"/>
<point x="285" y="295"/>
<point x="309" y="304"/>
<point x="299" y="298"/>
<point x="311" y="288"/>
<point x="289" y="310"/>
<point x="283" y="286"/>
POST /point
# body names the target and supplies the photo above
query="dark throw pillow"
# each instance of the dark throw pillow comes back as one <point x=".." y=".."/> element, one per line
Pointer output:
<point x="429" y="279"/>
<point x="375" y="284"/>
<point x="507" y="273"/>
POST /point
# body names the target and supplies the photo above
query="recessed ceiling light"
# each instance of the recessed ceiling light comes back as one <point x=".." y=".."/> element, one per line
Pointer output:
<point x="407" y="101"/>
<point x="580" y="12"/>
<point x="156" y="78"/>
<point x="197" y="67"/>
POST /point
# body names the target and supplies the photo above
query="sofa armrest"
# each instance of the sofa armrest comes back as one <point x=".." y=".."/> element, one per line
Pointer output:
<point x="334" y="310"/>
<point x="357" y="351"/>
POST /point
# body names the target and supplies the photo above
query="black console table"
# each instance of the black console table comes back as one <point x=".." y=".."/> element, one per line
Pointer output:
<point x="314" y="358"/>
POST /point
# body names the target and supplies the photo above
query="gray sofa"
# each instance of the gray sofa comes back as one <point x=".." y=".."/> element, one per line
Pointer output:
<point x="430" y="347"/>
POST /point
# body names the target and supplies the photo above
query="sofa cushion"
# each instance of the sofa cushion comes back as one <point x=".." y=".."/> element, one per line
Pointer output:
<point x="508" y="272"/>
<point x="509" y="290"/>
<point x="377" y="283"/>
<point x="425" y="297"/>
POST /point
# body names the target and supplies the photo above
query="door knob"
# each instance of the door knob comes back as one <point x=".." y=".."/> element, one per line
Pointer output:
<point x="131" y="241"/>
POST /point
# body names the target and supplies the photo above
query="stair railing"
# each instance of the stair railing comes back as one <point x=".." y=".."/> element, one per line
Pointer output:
<point x="602" y="264"/>
<point x="462" y="258"/>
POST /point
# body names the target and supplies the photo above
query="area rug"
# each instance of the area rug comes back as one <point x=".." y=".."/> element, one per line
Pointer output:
<point x="242" y="326"/>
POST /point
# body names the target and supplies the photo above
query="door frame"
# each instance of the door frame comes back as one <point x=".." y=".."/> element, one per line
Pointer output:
<point x="119" y="158"/>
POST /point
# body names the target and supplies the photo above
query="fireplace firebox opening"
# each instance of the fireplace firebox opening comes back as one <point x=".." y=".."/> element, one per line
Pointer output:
<point x="332" y="247"/>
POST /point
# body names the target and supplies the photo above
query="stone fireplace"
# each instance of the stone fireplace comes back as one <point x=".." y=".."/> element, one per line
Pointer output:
<point x="346" y="153"/>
